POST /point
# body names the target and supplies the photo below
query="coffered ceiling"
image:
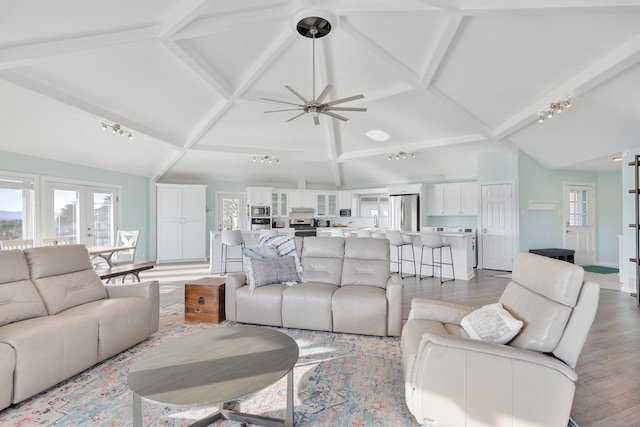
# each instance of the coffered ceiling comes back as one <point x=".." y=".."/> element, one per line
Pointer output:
<point x="446" y="80"/>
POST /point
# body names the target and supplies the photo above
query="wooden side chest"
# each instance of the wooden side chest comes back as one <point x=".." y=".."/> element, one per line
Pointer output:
<point x="204" y="300"/>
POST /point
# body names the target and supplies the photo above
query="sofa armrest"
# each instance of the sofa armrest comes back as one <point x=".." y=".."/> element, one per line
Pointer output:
<point x="395" y="298"/>
<point x="149" y="290"/>
<point x="233" y="281"/>
<point x="440" y="311"/>
<point x="497" y="350"/>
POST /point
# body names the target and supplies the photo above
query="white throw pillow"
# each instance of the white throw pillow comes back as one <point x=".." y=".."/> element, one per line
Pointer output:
<point x="491" y="323"/>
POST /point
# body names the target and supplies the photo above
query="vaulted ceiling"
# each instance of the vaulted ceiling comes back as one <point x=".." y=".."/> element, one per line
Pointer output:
<point x="446" y="80"/>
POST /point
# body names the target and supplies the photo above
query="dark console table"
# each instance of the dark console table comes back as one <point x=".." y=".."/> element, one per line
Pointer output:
<point x="561" y="254"/>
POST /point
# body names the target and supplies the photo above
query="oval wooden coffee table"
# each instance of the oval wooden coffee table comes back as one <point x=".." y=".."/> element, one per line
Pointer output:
<point x="215" y="366"/>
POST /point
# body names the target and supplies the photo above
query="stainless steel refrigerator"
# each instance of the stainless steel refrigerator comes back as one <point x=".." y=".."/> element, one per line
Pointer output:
<point x="404" y="212"/>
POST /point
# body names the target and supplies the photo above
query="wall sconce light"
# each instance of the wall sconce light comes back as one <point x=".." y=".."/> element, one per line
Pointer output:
<point x="554" y="108"/>
<point x="266" y="159"/>
<point x="116" y="129"/>
<point x="400" y="155"/>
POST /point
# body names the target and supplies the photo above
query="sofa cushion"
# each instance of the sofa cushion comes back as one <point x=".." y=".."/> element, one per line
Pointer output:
<point x="19" y="298"/>
<point x="262" y="307"/>
<point x="64" y="276"/>
<point x="308" y="306"/>
<point x="491" y="323"/>
<point x="322" y="259"/>
<point x="268" y="271"/>
<point x="366" y="262"/>
<point x="360" y="310"/>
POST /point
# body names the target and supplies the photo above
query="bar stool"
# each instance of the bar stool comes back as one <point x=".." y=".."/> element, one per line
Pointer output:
<point x="363" y="233"/>
<point x="230" y="238"/>
<point x="396" y="240"/>
<point x="433" y="241"/>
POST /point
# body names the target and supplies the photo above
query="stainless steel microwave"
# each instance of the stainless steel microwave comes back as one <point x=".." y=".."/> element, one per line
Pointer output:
<point x="345" y="212"/>
<point x="260" y="211"/>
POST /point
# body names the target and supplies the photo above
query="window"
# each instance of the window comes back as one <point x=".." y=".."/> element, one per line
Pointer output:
<point x="578" y="207"/>
<point x="81" y="213"/>
<point x="16" y="207"/>
<point x="376" y="206"/>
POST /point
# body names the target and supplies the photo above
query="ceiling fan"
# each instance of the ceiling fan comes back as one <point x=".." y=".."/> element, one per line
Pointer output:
<point x="316" y="27"/>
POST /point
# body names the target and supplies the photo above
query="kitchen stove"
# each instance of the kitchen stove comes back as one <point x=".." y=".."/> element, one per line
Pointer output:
<point x="303" y="227"/>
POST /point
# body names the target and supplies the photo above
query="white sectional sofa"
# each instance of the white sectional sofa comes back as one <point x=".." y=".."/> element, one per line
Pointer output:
<point x="346" y="286"/>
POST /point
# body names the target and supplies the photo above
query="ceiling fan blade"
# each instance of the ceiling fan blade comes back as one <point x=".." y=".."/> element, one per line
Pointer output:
<point x="288" y="109"/>
<point x="346" y="109"/>
<point x="335" y="116"/>
<point x="340" y="101"/>
<point x="316" y="120"/>
<point x="295" y="117"/>
<point x="297" y="94"/>
<point x="282" y="102"/>
<point x="324" y="93"/>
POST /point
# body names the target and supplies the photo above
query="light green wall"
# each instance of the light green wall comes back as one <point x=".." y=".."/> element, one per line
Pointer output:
<point x="544" y="229"/>
<point x="497" y="166"/>
<point x="134" y="195"/>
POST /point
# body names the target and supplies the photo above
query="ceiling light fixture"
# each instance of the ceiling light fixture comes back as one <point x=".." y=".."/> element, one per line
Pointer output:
<point x="266" y="159"/>
<point x="116" y="129"/>
<point x="315" y="27"/>
<point x="617" y="159"/>
<point x="400" y="155"/>
<point x="554" y="108"/>
<point x="378" y="135"/>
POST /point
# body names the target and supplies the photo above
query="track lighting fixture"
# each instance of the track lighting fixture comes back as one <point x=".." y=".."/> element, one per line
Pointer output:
<point x="116" y="129"/>
<point x="400" y="155"/>
<point x="554" y="108"/>
<point x="266" y="159"/>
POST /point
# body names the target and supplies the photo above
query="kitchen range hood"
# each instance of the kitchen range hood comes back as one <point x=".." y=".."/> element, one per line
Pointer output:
<point x="302" y="210"/>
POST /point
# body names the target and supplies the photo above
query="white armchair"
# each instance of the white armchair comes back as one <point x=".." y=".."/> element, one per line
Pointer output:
<point x="453" y="380"/>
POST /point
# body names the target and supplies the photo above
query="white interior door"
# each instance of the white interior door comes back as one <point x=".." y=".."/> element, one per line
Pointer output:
<point x="579" y="221"/>
<point x="498" y="231"/>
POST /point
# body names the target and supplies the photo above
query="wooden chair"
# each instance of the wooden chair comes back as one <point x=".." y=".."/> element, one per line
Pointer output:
<point x="16" y="244"/>
<point x="55" y="241"/>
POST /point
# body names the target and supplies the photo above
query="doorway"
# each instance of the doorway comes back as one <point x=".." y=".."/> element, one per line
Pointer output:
<point x="81" y="213"/>
<point x="231" y="212"/>
<point x="579" y="221"/>
<point x="498" y="236"/>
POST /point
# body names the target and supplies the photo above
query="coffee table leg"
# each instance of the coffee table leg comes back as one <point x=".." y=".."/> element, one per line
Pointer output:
<point x="137" y="411"/>
<point x="288" y="416"/>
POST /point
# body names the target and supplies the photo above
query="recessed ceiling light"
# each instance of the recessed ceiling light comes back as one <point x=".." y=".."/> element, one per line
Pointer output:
<point x="378" y="135"/>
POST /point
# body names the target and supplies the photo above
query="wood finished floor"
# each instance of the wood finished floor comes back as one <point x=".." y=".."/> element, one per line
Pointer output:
<point x="608" y="370"/>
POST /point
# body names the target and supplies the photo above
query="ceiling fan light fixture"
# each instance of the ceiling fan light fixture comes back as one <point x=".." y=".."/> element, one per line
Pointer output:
<point x="316" y="26"/>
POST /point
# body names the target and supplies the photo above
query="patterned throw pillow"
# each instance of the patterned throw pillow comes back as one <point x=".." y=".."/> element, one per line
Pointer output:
<point x="248" y="254"/>
<point x="268" y="271"/>
<point x="491" y="323"/>
<point x="285" y="245"/>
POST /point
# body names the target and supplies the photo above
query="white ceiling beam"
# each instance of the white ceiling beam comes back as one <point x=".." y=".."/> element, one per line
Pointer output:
<point x="229" y="22"/>
<point x="88" y="108"/>
<point x="290" y="154"/>
<point x="166" y="165"/>
<point x="530" y="7"/>
<point x="616" y="61"/>
<point x="264" y="61"/>
<point x="448" y="5"/>
<point x="414" y="147"/>
<point x="187" y="55"/>
<point x="445" y="38"/>
<point x="206" y="123"/>
<point x="379" y="53"/>
<point x="33" y="53"/>
<point x="181" y="15"/>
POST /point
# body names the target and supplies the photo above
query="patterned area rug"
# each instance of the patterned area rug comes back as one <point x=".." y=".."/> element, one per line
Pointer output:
<point x="340" y="380"/>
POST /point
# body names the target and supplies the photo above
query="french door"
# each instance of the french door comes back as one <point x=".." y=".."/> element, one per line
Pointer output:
<point x="579" y="217"/>
<point x="231" y="212"/>
<point x="81" y="213"/>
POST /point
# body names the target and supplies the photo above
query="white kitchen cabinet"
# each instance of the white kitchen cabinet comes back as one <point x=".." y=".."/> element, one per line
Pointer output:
<point x="452" y="199"/>
<point x="302" y="199"/>
<point x="345" y="200"/>
<point x="259" y="196"/>
<point x="327" y="204"/>
<point x="279" y="203"/>
<point x="181" y="222"/>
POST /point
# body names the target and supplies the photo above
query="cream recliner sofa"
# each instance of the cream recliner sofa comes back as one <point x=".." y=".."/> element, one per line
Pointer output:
<point x="346" y="287"/>
<point x="57" y="318"/>
<point x="452" y="380"/>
